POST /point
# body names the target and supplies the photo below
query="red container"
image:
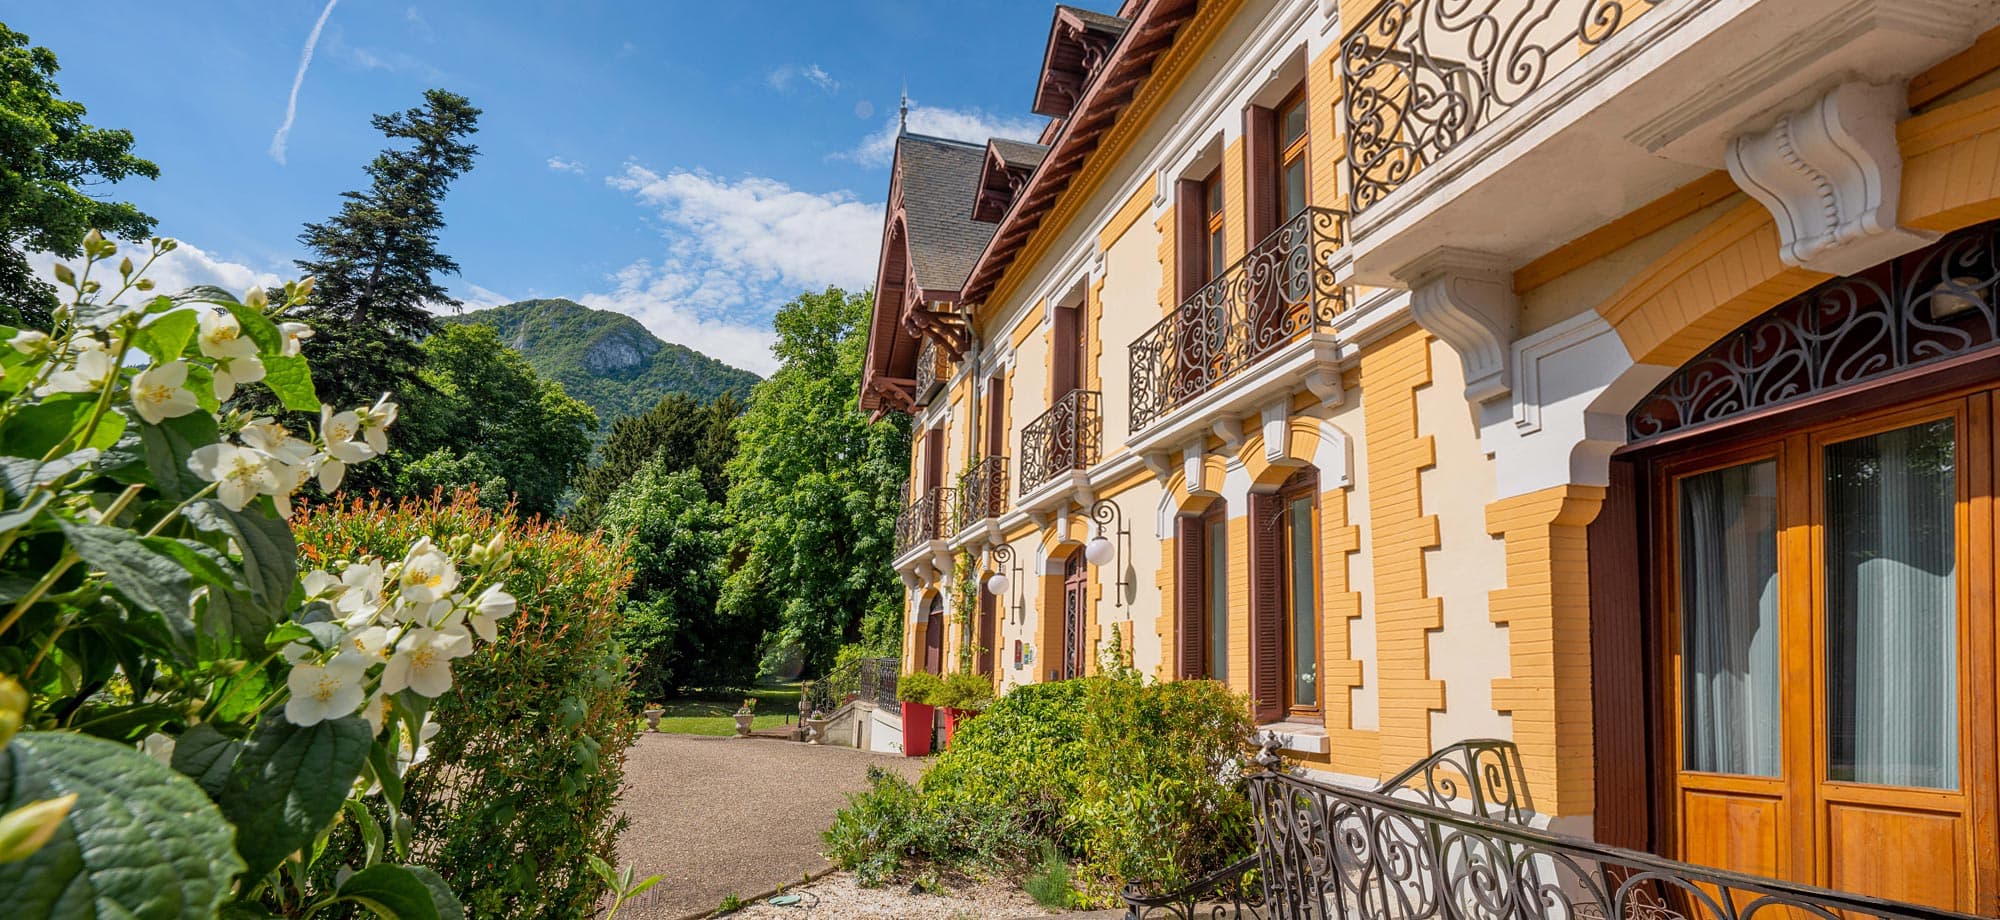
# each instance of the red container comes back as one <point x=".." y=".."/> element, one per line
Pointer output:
<point x="917" y="718"/>
<point x="953" y="718"/>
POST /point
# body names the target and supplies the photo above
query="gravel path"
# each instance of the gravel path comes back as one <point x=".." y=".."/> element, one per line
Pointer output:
<point x="720" y="816"/>
<point x="837" y="897"/>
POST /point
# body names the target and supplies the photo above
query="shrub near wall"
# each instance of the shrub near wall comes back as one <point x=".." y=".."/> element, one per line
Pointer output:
<point x="521" y="782"/>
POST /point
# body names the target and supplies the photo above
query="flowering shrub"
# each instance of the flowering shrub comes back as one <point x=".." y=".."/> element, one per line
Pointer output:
<point x="185" y="718"/>
<point x="518" y="793"/>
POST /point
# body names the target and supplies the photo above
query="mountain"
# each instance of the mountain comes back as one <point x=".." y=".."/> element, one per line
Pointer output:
<point x="607" y="359"/>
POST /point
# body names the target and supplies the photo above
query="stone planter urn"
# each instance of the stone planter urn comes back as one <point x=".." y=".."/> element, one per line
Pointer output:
<point x="653" y="719"/>
<point x="743" y="718"/>
<point x="816" y="728"/>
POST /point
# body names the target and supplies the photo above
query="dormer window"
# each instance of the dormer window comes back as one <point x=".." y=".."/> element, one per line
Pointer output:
<point x="1079" y="42"/>
<point x="1005" y="172"/>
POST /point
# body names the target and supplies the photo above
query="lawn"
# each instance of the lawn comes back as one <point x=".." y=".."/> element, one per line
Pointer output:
<point x="712" y="712"/>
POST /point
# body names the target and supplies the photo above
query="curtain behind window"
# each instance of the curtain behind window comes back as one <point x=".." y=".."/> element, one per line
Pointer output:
<point x="1729" y="620"/>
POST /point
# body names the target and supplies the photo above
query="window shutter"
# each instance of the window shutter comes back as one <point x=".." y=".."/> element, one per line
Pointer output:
<point x="1267" y="610"/>
<point x="1190" y="239"/>
<point x="986" y="616"/>
<point x="1190" y="625"/>
<point x="996" y="433"/>
<point x="1260" y="158"/>
<point x="933" y="458"/>
<point x="1062" y="351"/>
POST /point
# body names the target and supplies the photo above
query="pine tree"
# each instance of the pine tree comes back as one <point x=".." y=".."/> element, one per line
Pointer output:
<point x="679" y="433"/>
<point x="376" y="267"/>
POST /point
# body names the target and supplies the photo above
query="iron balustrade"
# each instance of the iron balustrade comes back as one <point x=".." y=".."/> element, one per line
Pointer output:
<point x="871" y="680"/>
<point x="1423" y="76"/>
<point x="923" y="518"/>
<point x="1449" y="840"/>
<point x="982" y="492"/>
<point x="1282" y="290"/>
<point x="933" y="371"/>
<point x="1070" y="436"/>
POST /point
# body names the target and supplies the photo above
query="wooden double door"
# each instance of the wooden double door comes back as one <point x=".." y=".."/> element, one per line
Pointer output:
<point x="1827" y="680"/>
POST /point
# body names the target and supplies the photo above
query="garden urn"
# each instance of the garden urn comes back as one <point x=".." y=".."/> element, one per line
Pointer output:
<point x="653" y="718"/>
<point x="743" y="718"/>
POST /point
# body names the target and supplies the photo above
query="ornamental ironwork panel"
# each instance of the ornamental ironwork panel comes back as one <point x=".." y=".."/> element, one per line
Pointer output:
<point x="982" y="492"/>
<point x="1070" y="436"/>
<point x="1282" y="290"/>
<point x="1422" y="76"/>
<point x="1928" y="306"/>
<point x="933" y="372"/>
<point x="923" y="518"/>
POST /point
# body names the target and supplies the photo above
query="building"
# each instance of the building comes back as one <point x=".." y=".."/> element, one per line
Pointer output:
<point x="1613" y="377"/>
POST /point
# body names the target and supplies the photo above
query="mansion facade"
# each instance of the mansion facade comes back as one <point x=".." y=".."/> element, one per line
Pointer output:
<point x="1615" y="378"/>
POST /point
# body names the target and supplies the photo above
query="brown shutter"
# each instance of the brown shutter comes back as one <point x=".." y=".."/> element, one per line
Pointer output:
<point x="996" y="432"/>
<point x="1618" y="666"/>
<point x="1267" y="610"/>
<point x="986" y="616"/>
<point x="934" y="639"/>
<point x="1191" y="238"/>
<point x="933" y="458"/>
<point x="1260" y="167"/>
<point x="1062" y="351"/>
<point x="1190" y="627"/>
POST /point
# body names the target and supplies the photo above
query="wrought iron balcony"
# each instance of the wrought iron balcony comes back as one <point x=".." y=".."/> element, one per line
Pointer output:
<point x="982" y="493"/>
<point x="1070" y="436"/>
<point x="1282" y="290"/>
<point x="1423" y="76"/>
<point x="933" y="372"/>
<point x="923" y="518"/>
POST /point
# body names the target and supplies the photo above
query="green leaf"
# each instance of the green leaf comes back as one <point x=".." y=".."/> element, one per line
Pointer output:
<point x="166" y="336"/>
<point x="270" y="563"/>
<point x="154" y="582"/>
<point x="288" y="784"/>
<point x="141" y="842"/>
<point x="206" y="756"/>
<point x="402" y="893"/>
<point x="290" y="378"/>
<point x="259" y="328"/>
<point x="203" y="562"/>
<point x="168" y="446"/>
<point x="37" y="428"/>
<point x="19" y="476"/>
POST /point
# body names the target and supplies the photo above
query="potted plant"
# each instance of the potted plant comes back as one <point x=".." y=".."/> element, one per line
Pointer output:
<point x="653" y="713"/>
<point x="744" y="716"/>
<point x="916" y="690"/>
<point x="962" y="695"/>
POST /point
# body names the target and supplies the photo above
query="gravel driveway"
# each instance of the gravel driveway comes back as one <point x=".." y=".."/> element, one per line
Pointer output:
<point x="720" y="816"/>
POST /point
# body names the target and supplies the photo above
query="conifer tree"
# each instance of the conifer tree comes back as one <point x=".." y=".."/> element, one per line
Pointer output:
<point x="679" y="432"/>
<point x="377" y="272"/>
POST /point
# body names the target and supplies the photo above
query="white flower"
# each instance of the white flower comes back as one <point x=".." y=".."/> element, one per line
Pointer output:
<point x="375" y="422"/>
<point x="238" y="472"/>
<point x="493" y="606"/>
<point x="92" y="368"/>
<point x="423" y="662"/>
<point x="416" y="750"/>
<point x="159" y="747"/>
<point x="158" y="394"/>
<point x="270" y="437"/>
<point x="371" y="643"/>
<point x="229" y="372"/>
<point x="222" y="337"/>
<point x="29" y="342"/>
<point x="321" y="584"/>
<point x="339" y="429"/>
<point x="376" y="711"/>
<point x="294" y="334"/>
<point x="361" y="591"/>
<point x="320" y="692"/>
<point x="428" y="575"/>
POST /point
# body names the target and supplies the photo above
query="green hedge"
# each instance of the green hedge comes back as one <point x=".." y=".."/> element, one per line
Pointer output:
<point x="1135" y="782"/>
<point x="522" y="780"/>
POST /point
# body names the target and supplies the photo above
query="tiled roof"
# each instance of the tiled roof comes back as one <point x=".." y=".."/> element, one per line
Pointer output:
<point x="1020" y="153"/>
<point x="940" y="180"/>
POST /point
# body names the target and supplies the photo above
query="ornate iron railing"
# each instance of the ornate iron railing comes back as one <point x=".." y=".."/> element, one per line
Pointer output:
<point x="1422" y="76"/>
<point x="1934" y="304"/>
<point x="1283" y="289"/>
<point x="933" y="372"/>
<point x="923" y="518"/>
<point x="1403" y="853"/>
<point x="982" y="492"/>
<point x="868" y="679"/>
<point x="1070" y="436"/>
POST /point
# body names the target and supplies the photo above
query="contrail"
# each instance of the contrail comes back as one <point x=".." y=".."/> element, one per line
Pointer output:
<point x="292" y="106"/>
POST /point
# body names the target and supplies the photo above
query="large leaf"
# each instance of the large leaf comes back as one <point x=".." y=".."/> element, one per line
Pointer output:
<point x="270" y="563"/>
<point x="402" y="893"/>
<point x="141" y="842"/>
<point x="166" y="335"/>
<point x="168" y="446"/>
<point x="206" y="756"/>
<point x="35" y="429"/>
<point x="288" y="784"/>
<point x="291" y="379"/>
<point x="156" y="583"/>
<point x="258" y="328"/>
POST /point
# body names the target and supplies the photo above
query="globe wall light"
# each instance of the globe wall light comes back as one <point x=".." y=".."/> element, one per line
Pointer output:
<point x="1109" y="543"/>
<point x="1000" y="584"/>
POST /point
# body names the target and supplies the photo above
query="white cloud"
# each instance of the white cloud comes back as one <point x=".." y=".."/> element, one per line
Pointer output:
<point x="879" y="148"/>
<point x="185" y="267"/>
<point x="475" y="297"/>
<point x="784" y="77"/>
<point x="560" y="164"/>
<point x="656" y="298"/>
<point x="292" y="104"/>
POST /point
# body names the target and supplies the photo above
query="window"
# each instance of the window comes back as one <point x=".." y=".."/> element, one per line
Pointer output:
<point x="1291" y="150"/>
<point x="1216" y="580"/>
<point x="1301" y="601"/>
<point x="1211" y="194"/>
<point x="1284" y="601"/>
<point x="1202" y="617"/>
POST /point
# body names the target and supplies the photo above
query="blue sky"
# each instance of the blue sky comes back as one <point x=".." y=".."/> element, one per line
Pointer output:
<point x="691" y="164"/>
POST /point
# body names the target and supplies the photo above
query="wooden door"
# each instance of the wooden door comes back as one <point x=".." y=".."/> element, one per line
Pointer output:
<point x="1829" y="624"/>
<point x="934" y="637"/>
<point x="1076" y="599"/>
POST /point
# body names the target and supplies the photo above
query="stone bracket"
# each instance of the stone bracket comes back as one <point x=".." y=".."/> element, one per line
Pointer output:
<point x="1467" y="299"/>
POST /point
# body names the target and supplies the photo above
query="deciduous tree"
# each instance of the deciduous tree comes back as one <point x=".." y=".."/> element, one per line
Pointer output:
<point x="679" y="431"/>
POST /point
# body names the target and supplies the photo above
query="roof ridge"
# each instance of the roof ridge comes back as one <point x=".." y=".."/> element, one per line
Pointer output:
<point x="981" y="145"/>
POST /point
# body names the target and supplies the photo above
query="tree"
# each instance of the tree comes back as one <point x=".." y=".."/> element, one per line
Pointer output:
<point x="376" y="267"/>
<point x="486" y="418"/>
<point x="672" y="629"/>
<point x="814" y="490"/>
<point x="679" y="431"/>
<point x="48" y="159"/>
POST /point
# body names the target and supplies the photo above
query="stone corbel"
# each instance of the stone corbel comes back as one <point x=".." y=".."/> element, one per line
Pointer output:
<point x="1230" y="430"/>
<point x="1275" y="418"/>
<point x="1325" y="385"/>
<point x="1467" y="299"/>
<point x="1831" y="174"/>
<point x="1160" y="463"/>
<point x="1194" y="466"/>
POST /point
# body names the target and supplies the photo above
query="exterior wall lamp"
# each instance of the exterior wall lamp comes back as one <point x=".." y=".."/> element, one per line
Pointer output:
<point x="1001" y="582"/>
<point x="1101" y="549"/>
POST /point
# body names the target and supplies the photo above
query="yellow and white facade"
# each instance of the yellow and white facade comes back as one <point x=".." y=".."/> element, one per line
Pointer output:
<point x="1385" y="363"/>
